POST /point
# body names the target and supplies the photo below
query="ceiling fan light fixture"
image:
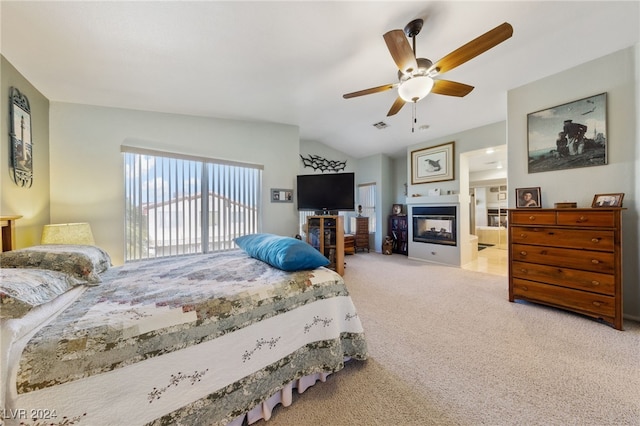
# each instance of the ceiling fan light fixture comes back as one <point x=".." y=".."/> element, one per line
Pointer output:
<point x="415" y="88"/>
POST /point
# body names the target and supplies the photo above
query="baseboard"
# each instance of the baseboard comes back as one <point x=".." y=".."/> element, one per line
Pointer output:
<point x="631" y="317"/>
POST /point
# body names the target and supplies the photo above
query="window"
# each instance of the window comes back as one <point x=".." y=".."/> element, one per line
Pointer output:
<point x="367" y="199"/>
<point x="177" y="204"/>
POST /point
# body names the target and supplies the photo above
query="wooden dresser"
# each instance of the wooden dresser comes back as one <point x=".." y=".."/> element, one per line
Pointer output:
<point x="569" y="259"/>
<point x="362" y="233"/>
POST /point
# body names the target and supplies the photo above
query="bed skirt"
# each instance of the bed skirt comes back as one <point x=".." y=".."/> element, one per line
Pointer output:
<point x="283" y="396"/>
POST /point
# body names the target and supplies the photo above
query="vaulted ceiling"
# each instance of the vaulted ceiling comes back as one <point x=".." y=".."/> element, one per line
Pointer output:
<point x="291" y="62"/>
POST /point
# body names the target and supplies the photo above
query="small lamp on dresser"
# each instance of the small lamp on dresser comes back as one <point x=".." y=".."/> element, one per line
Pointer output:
<point x="67" y="233"/>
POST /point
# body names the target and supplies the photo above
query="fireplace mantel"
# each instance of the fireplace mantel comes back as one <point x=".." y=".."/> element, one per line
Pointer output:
<point x="438" y="199"/>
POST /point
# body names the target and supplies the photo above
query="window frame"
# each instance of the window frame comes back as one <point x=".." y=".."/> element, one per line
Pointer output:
<point x="175" y="188"/>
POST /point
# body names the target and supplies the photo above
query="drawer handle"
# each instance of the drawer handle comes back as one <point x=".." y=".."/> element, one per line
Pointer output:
<point x="532" y="218"/>
<point x="524" y="287"/>
<point x="595" y="261"/>
<point x="582" y="219"/>
<point x="523" y="235"/>
<point x="595" y="240"/>
<point x="524" y="271"/>
<point x="594" y="282"/>
<point x="523" y="253"/>
<point x="596" y="303"/>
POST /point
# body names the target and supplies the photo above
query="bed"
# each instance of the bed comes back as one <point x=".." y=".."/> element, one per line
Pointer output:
<point x="206" y="339"/>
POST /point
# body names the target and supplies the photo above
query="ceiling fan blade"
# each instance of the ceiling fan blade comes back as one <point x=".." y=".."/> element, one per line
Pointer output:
<point x="474" y="48"/>
<point x="369" y="91"/>
<point x="401" y="51"/>
<point x="397" y="105"/>
<point x="451" y="88"/>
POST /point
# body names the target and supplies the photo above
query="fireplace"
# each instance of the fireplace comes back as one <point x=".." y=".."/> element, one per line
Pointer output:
<point x="435" y="225"/>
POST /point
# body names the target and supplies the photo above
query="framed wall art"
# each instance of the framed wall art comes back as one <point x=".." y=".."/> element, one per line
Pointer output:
<point x="608" y="200"/>
<point x="281" y="195"/>
<point x="568" y="136"/>
<point x="528" y="198"/>
<point x="21" y="143"/>
<point x="434" y="164"/>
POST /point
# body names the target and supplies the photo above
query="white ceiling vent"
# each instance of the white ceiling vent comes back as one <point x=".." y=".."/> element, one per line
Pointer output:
<point x="380" y="125"/>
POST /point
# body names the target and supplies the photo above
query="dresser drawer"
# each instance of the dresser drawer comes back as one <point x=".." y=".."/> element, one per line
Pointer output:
<point x="566" y="277"/>
<point x="603" y="219"/>
<point x="595" y="261"/>
<point x="533" y="217"/>
<point x="593" y="304"/>
<point x="585" y="239"/>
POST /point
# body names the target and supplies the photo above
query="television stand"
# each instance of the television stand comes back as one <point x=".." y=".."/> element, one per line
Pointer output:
<point x="326" y="234"/>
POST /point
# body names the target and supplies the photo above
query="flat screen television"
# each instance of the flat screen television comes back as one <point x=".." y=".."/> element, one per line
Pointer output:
<point x="326" y="192"/>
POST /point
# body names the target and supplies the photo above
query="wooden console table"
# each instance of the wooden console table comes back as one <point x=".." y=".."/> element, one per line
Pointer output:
<point x="8" y="224"/>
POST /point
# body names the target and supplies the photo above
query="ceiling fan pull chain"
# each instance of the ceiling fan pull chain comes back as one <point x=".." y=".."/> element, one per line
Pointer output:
<point x="413" y="118"/>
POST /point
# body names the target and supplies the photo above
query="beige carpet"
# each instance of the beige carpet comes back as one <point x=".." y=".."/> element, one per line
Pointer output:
<point x="447" y="348"/>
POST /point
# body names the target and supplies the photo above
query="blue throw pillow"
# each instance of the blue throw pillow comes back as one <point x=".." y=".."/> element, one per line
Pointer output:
<point x="286" y="253"/>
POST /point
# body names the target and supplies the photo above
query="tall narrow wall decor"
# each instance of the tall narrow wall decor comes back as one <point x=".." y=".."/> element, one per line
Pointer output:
<point x="21" y="143"/>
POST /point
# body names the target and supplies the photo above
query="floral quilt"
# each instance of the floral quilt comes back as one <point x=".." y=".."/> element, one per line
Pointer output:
<point x="154" y="310"/>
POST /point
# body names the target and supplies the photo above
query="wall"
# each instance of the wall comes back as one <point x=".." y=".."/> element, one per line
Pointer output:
<point x="31" y="203"/>
<point x="617" y="75"/>
<point x="308" y="148"/>
<point x="314" y="148"/>
<point x="467" y="141"/>
<point x="400" y="182"/>
<point x="379" y="169"/>
<point x="88" y="181"/>
<point x="387" y="199"/>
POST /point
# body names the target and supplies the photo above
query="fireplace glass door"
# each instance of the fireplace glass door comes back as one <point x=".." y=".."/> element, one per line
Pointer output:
<point x="435" y="225"/>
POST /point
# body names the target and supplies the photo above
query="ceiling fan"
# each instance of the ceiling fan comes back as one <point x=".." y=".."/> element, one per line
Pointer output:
<point x="416" y="75"/>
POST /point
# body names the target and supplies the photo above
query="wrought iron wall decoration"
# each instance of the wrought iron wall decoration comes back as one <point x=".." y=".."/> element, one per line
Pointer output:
<point x="316" y="162"/>
<point x="21" y="143"/>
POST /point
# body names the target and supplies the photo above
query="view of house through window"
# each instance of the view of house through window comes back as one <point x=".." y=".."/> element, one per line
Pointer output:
<point x="176" y="204"/>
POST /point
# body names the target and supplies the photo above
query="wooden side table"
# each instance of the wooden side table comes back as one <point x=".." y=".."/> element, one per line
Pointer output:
<point x="362" y="233"/>
<point x="8" y="224"/>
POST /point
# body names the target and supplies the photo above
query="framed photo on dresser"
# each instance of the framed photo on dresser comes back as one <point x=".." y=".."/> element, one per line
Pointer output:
<point x="608" y="200"/>
<point x="529" y="198"/>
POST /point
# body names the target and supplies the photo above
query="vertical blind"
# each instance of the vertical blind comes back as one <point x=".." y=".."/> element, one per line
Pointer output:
<point x="367" y="199"/>
<point x="177" y="204"/>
